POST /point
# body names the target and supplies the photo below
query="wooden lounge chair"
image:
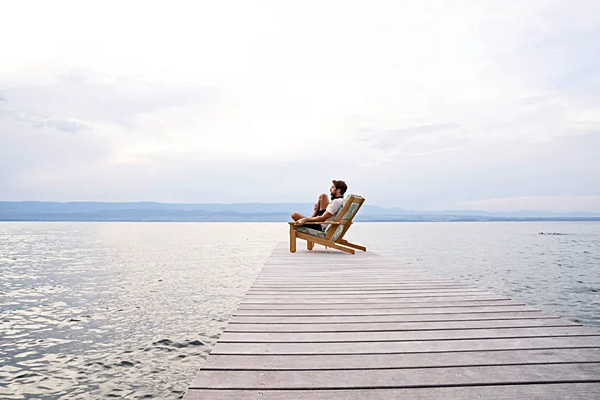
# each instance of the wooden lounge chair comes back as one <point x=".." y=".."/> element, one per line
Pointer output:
<point x="334" y="235"/>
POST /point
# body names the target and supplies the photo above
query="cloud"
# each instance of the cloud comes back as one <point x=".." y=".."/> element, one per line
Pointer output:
<point x="392" y="137"/>
<point x="40" y="122"/>
<point x="63" y="125"/>
<point x="86" y="95"/>
<point x="416" y="141"/>
<point x="419" y="130"/>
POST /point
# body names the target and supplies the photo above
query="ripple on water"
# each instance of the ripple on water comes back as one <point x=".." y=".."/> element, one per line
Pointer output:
<point x="106" y="310"/>
<point x="131" y="310"/>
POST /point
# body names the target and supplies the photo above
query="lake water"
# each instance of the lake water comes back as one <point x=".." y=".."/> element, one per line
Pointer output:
<point x="131" y="310"/>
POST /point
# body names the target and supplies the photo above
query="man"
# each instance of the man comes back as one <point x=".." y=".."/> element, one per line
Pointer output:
<point x="324" y="210"/>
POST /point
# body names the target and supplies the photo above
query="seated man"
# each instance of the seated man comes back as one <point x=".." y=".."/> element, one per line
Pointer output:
<point x="324" y="210"/>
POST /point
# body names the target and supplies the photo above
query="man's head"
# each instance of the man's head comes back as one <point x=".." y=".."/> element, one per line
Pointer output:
<point x="338" y="189"/>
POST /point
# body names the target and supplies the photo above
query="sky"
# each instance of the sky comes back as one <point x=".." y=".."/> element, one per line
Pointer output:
<point x="428" y="105"/>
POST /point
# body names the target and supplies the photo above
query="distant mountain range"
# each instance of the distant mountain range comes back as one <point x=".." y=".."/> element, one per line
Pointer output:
<point x="247" y="212"/>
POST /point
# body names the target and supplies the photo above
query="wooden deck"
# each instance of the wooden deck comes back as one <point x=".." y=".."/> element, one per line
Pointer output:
<point x="328" y="325"/>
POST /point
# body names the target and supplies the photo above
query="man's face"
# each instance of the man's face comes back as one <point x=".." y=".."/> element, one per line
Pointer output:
<point x="333" y="190"/>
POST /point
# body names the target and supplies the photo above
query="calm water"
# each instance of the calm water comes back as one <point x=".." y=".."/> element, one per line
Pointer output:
<point x="130" y="310"/>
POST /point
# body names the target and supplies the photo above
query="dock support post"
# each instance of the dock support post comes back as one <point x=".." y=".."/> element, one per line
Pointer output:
<point x="292" y="239"/>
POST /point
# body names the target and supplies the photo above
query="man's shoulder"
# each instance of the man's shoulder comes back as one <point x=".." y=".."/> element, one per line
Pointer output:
<point x="337" y="203"/>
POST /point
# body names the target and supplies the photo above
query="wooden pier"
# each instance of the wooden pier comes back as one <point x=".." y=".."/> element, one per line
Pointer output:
<point x="322" y="324"/>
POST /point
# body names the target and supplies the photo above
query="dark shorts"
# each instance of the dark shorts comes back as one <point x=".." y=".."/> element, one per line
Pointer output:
<point x="316" y="226"/>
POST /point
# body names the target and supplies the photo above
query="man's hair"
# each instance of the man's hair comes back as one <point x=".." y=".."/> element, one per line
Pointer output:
<point x="340" y="185"/>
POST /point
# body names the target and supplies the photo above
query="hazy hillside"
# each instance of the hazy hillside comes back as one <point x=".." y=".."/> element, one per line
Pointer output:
<point x="149" y="211"/>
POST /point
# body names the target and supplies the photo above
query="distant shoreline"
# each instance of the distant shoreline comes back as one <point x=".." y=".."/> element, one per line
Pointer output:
<point x="591" y="219"/>
<point x="250" y="212"/>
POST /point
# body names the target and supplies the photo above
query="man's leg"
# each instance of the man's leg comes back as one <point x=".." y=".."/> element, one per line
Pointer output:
<point x="296" y="216"/>
<point x="322" y="204"/>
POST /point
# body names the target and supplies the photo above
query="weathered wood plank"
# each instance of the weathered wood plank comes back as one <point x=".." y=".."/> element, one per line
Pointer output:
<point x="382" y="283"/>
<point x="407" y="346"/>
<point x="389" y="318"/>
<point x="382" y="311"/>
<point x="308" y="337"/>
<point x="324" y="297"/>
<point x="356" y="278"/>
<point x="386" y="336"/>
<point x="401" y="326"/>
<point x="401" y="299"/>
<point x="418" y="360"/>
<point x="350" y="277"/>
<point x="398" y="378"/>
<point x="569" y="391"/>
<point x="371" y="305"/>
<point x="350" y="280"/>
<point x="369" y="289"/>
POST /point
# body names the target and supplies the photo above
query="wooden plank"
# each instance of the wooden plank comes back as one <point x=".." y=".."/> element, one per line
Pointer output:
<point x="348" y="281"/>
<point x="382" y="311"/>
<point x="356" y="293"/>
<point x="473" y="316"/>
<point x="319" y="284"/>
<point x="355" y="273"/>
<point x="325" y="268"/>
<point x="417" y="360"/>
<point x="398" y="378"/>
<point x="407" y="346"/>
<point x="372" y="305"/>
<point x="369" y="289"/>
<point x="569" y="391"/>
<point x="400" y="326"/>
<point x="350" y="278"/>
<point x="387" y="336"/>
<point x="420" y="296"/>
<point x="350" y="285"/>
<point x="364" y="296"/>
<point x="287" y="274"/>
<point x="398" y="300"/>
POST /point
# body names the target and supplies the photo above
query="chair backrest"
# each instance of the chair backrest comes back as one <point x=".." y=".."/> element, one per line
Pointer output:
<point x="352" y="204"/>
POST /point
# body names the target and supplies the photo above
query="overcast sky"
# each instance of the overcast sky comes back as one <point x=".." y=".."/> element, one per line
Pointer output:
<point x="490" y="105"/>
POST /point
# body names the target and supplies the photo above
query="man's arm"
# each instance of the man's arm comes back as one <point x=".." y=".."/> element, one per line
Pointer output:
<point x="322" y="218"/>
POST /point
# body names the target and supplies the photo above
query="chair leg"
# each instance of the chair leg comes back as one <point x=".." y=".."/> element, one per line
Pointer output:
<point x="342" y="248"/>
<point x="323" y="242"/>
<point x="354" y="246"/>
<point x="310" y="245"/>
<point x="292" y="239"/>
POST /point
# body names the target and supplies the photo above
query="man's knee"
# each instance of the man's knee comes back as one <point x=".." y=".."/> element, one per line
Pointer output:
<point x="295" y="215"/>
<point x="322" y="196"/>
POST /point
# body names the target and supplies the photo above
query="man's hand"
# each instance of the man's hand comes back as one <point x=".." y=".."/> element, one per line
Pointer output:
<point x="301" y="221"/>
